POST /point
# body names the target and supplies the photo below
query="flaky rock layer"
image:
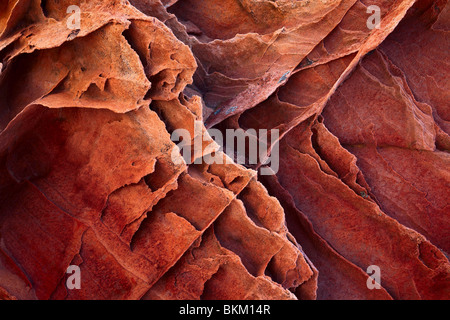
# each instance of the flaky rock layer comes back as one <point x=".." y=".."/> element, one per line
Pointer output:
<point x="91" y="176"/>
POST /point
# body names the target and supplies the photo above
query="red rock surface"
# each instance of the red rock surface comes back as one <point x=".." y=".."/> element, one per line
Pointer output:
<point x="87" y="176"/>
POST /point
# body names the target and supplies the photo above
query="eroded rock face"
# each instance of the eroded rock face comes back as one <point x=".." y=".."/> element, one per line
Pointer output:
<point x="91" y="177"/>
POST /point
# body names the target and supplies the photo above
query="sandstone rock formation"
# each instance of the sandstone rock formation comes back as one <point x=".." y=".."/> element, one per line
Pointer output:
<point x="91" y="177"/>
